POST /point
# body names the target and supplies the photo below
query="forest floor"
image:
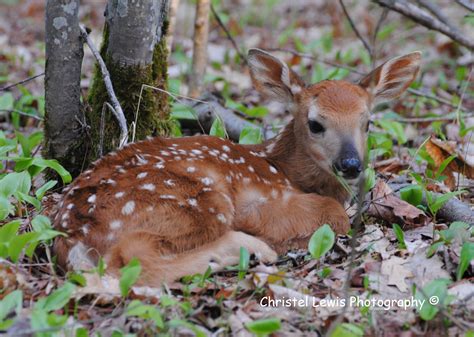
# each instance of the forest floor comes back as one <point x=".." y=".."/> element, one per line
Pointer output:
<point x="411" y="270"/>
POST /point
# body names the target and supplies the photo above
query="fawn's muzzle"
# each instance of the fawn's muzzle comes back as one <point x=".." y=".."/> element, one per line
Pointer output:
<point x="349" y="163"/>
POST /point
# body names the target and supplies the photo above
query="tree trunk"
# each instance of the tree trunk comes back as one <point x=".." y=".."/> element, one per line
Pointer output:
<point x="63" y="111"/>
<point x="134" y="50"/>
<point x="201" y="35"/>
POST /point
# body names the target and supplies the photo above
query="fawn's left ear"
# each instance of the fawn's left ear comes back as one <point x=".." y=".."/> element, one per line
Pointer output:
<point x="392" y="78"/>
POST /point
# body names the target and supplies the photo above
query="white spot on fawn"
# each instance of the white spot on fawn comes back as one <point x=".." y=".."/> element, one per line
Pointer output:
<point x="165" y="153"/>
<point x="111" y="182"/>
<point x="192" y="202"/>
<point x="191" y="169"/>
<point x="207" y="181"/>
<point x="118" y="195"/>
<point x="167" y="196"/>
<point x="251" y="169"/>
<point x="169" y="182"/>
<point x="148" y="187"/>
<point x="221" y="217"/>
<point x="159" y="166"/>
<point x="116" y="224"/>
<point x="85" y="229"/>
<point x="91" y="198"/>
<point x="142" y="175"/>
<point x="273" y="170"/>
<point x="70" y="206"/>
<point x="212" y="210"/>
<point x="128" y="208"/>
<point x="196" y="151"/>
<point x="225" y="148"/>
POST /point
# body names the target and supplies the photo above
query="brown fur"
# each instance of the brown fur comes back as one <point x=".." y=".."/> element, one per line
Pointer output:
<point x="180" y="205"/>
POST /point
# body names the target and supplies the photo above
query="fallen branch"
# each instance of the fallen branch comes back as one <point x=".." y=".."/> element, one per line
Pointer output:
<point x="468" y="4"/>
<point x="209" y="109"/>
<point x="453" y="210"/>
<point x="116" y="108"/>
<point x="21" y="82"/>
<point x="418" y="15"/>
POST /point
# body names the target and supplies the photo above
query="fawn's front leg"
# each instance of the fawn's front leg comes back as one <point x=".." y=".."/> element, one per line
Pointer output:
<point x="289" y="221"/>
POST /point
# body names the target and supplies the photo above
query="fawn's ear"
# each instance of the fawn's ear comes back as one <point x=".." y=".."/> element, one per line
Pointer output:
<point x="272" y="77"/>
<point x="392" y="78"/>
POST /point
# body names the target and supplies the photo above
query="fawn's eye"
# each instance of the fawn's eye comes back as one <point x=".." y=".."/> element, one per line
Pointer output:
<point x="315" y="127"/>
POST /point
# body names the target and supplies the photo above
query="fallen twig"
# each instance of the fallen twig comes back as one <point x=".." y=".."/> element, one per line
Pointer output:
<point x="21" y="82"/>
<point x="116" y="108"/>
<point x="418" y="15"/>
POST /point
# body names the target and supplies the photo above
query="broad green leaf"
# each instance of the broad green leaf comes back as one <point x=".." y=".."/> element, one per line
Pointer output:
<point x="264" y="327"/>
<point x="57" y="299"/>
<point x="321" y="241"/>
<point x="412" y="194"/>
<point x="400" y="236"/>
<point x="24" y="182"/>
<point x="130" y="274"/>
<point x="5" y="207"/>
<point x="12" y="302"/>
<point x="370" y="176"/>
<point x="435" y="290"/>
<point x="467" y="255"/>
<point x="9" y="184"/>
<point x="217" y="128"/>
<point x="183" y="111"/>
<point x="9" y="230"/>
<point x="257" y="112"/>
<point x="347" y="330"/>
<point x="18" y="243"/>
<point x="6" y="101"/>
<point x="137" y="308"/>
<point x="250" y="135"/>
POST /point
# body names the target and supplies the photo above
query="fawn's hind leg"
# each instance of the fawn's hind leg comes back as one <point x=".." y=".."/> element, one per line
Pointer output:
<point x="158" y="268"/>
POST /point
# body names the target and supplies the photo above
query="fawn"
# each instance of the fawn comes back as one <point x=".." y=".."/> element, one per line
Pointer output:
<point x="181" y="205"/>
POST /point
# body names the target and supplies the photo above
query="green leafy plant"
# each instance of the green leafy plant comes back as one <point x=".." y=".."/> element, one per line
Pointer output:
<point x="400" y="236"/>
<point x="244" y="260"/>
<point x="264" y="327"/>
<point x="467" y="255"/>
<point x="435" y="295"/>
<point x="347" y="330"/>
<point x="321" y="241"/>
<point x="129" y="275"/>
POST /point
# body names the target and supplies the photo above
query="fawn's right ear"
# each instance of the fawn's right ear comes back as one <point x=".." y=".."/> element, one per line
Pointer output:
<point x="272" y="77"/>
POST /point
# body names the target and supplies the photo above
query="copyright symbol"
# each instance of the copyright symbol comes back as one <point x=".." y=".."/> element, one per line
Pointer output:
<point x="434" y="300"/>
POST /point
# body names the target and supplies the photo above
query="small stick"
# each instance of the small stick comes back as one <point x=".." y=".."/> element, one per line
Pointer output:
<point x="116" y="108"/>
<point x="229" y="36"/>
<point x="356" y="31"/>
<point x="21" y="82"/>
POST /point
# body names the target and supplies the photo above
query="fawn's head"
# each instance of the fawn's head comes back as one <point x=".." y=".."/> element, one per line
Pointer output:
<point x="331" y="117"/>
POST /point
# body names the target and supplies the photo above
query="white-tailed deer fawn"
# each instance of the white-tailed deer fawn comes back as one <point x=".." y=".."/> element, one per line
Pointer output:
<point x="182" y="204"/>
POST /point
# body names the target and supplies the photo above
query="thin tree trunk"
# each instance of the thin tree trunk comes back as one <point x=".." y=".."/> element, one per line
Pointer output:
<point x="172" y="23"/>
<point x="201" y="33"/>
<point x="134" y="50"/>
<point x="64" y="115"/>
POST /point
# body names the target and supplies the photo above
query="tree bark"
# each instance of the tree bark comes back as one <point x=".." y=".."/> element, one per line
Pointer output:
<point x="201" y="34"/>
<point x="134" y="50"/>
<point x="63" y="111"/>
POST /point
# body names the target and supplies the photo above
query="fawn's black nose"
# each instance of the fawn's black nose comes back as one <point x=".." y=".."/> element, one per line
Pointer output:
<point x="349" y="163"/>
<point x="351" y="167"/>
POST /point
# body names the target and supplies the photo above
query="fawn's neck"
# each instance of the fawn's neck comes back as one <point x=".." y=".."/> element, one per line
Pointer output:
<point x="287" y="153"/>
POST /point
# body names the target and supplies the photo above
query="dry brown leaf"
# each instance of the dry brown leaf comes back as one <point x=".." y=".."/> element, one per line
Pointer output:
<point x="387" y="206"/>
<point x="440" y="150"/>
<point x="396" y="272"/>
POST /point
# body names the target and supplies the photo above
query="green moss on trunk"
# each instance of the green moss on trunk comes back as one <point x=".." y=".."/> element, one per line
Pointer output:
<point x="153" y="114"/>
